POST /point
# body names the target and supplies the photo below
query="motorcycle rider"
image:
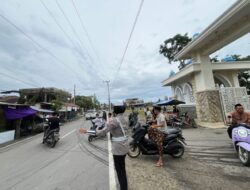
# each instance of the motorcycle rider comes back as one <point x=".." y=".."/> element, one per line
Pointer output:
<point x="98" y="122"/>
<point x="237" y="117"/>
<point x="53" y="123"/>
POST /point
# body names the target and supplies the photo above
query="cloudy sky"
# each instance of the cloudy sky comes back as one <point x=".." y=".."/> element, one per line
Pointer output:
<point x="43" y="43"/>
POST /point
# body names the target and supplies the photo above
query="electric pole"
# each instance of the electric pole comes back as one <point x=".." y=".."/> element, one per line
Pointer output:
<point x="107" y="81"/>
<point x="74" y="94"/>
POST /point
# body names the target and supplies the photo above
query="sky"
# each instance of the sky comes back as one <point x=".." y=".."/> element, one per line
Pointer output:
<point x="49" y="43"/>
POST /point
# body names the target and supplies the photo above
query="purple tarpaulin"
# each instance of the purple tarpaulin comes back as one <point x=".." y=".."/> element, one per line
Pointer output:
<point x="17" y="113"/>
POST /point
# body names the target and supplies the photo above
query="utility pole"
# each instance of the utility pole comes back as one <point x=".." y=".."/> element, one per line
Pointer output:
<point x="74" y="94"/>
<point x="107" y="81"/>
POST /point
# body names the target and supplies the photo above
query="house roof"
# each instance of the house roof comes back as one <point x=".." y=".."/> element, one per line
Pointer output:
<point x="11" y="104"/>
<point x="231" y="25"/>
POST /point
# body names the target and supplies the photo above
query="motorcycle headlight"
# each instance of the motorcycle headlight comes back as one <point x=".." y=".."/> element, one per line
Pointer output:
<point x="242" y="132"/>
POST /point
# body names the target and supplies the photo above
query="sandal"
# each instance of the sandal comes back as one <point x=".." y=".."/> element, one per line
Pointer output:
<point x="158" y="164"/>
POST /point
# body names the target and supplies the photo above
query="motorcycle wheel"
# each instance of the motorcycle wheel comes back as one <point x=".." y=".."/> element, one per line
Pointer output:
<point x="134" y="151"/>
<point x="90" y="138"/>
<point x="244" y="156"/>
<point x="53" y="142"/>
<point x="180" y="150"/>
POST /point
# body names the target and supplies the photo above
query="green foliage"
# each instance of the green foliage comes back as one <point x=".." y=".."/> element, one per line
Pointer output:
<point x="62" y="96"/>
<point x="174" y="45"/>
<point x="214" y="59"/>
<point x="85" y="102"/>
<point x="96" y="103"/>
<point x="57" y="105"/>
<point x="244" y="76"/>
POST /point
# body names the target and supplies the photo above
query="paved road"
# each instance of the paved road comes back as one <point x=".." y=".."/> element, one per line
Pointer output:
<point x="72" y="164"/>
<point x="210" y="162"/>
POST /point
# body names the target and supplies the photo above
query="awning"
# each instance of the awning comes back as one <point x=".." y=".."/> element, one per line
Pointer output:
<point x="17" y="112"/>
<point x="170" y="102"/>
<point x="41" y="110"/>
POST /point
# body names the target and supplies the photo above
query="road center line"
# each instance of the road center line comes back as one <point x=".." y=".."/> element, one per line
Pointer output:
<point x="112" y="182"/>
<point x="68" y="133"/>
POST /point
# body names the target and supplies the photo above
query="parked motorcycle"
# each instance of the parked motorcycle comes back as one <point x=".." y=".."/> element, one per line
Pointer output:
<point x="183" y="121"/>
<point x="241" y="142"/>
<point x="173" y="143"/>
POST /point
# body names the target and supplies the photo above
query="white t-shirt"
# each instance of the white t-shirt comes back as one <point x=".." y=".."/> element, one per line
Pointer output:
<point x="149" y="114"/>
<point x="159" y="119"/>
<point x="98" y="122"/>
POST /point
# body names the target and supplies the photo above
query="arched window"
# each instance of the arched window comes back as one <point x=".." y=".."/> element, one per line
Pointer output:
<point x="179" y="94"/>
<point x="188" y="94"/>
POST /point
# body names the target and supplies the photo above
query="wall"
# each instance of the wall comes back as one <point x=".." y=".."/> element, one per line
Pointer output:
<point x="209" y="109"/>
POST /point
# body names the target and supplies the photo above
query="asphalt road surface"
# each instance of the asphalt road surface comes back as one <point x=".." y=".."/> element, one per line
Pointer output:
<point x="73" y="164"/>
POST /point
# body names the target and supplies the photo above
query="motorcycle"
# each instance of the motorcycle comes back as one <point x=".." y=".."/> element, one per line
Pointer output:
<point x="183" y="121"/>
<point x="241" y="142"/>
<point x="173" y="143"/>
<point x="92" y="131"/>
<point x="52" y="138"/>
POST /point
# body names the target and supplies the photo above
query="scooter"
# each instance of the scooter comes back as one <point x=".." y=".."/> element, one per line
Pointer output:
<point x="241" y="142"/>
<point x="173" y="143"/>
<point x="92" y="131"/>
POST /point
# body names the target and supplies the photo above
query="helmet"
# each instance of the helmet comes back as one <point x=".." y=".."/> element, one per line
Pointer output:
<point x="119" y="109"/>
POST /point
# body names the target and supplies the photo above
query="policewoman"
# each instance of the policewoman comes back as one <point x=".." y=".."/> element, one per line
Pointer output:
<point x="118" y="127"/>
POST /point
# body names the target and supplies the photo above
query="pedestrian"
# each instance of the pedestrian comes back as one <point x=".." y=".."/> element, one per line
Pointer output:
<point x="118" y="128"/>
<point x="149" y="115"/>
<point x="109" y="118"/>
<point x="164" y="109"/>
<point x="104" y="116"/>
<point x="155" y="132"/>
<point x="145" y="111"/>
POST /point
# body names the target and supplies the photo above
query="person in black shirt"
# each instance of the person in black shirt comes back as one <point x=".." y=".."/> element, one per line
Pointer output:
<point x="53" y="123"/>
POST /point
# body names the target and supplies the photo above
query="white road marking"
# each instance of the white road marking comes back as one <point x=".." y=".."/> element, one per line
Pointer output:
<point x="68" y="133"/>
<point x="112" y="182"/>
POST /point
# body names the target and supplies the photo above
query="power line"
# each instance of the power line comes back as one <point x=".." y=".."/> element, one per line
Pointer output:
<point x="130" y="36"/>
<point x="39" y="45"/>
<point x="57" y="23"/>
<point x="74" y="31"/>
<point x="19" y="80"/>
<point x="85" y="29"/>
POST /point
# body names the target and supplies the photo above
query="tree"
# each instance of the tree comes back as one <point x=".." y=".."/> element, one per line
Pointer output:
<point x="174" y="45"/>
<point x="86" y="102"/>
<point x="243" y="76"/>
<point x="57" y="105"/>
<point x="96" y="103"/>
<point x="214" y="59"/>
